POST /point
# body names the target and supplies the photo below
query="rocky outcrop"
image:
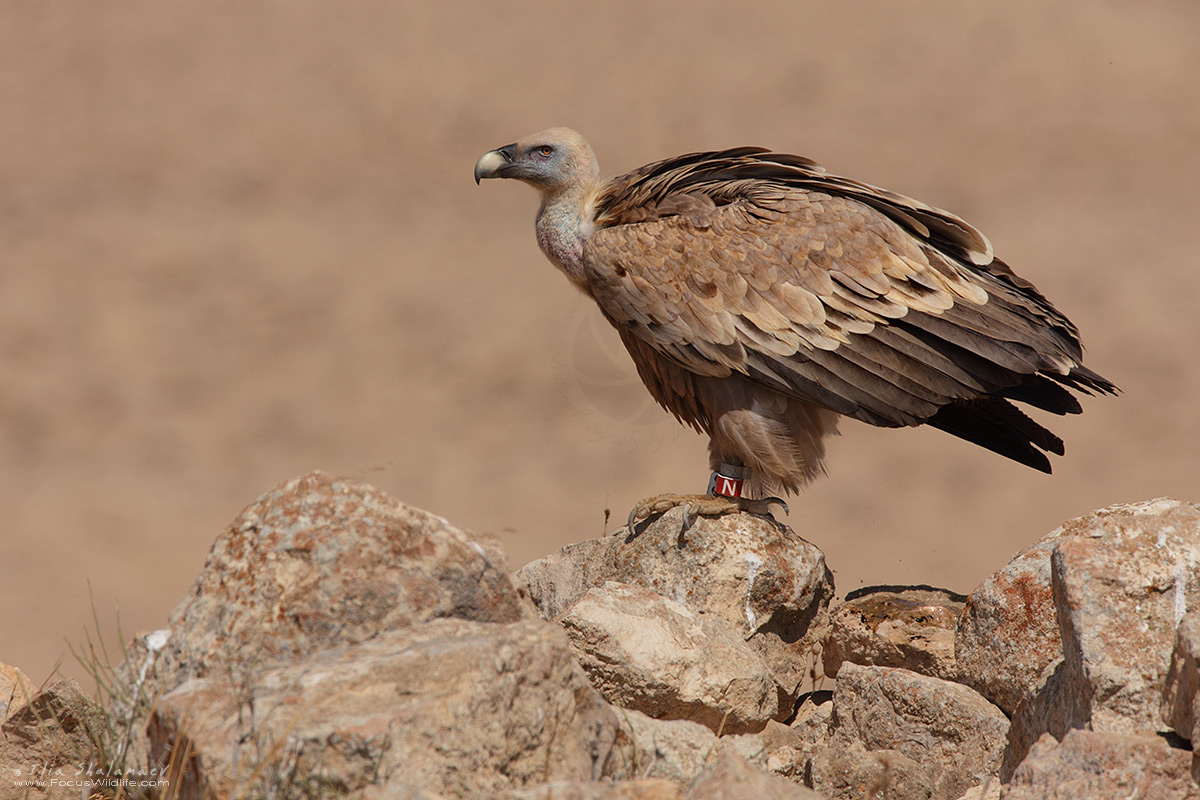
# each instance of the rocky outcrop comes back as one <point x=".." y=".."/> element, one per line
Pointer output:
<point x="651" y="654"/>
<point x="319" y="563"/>
<point x="506" y="699"/>
<point x="1008" y="632"/>
<point x="1103" y="766"/>
<point x="639" y="789"/>
<point x="47" y="742"/>
<point x="1122" y="579"/>
<point x="654" y="748"/>
<point x="731" y="777"/>
<point x="341" y="643"/>
<point x="340" y="637"/>
<point x="1181" y="692"/>
<point x="764" y="584"/>
<point x="910" y="627"/>
<point x="15" y="690"/>
<point x="896" y="731"/>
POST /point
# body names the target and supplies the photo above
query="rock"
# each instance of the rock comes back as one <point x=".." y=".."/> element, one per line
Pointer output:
<point x="679" y="750"/>
<point x="910" y="627"/>
<point x="812" y="729"/>
<point x="731" y="777"/>
<point x="1008" y="632"/>
<point x="1122" y="583"/>
<point x="851" y="771"/>
<point x="320" y="562"/>
<point x="396" y="793"/>
<point x="675" y="750"/>
<point x="1056" y="704"/>
<point x="1099" y="766"/>
<point x="15" y="690"/>
<point x="1121" y="577"/>
<point x="1181" y="700"/>
<point x="48" y="740"/>
<point x="1181" y="692"/>
<point x="556" y="581"/>
<point x="787" y="750"/>
<point x="645" y="652"/>
<point x="1011" y="629"/>
<point x="777" y="749"/>
<point x="644" y="789"/>
<point x="770" y="586"/>
<point x="453" y="707"/>
<point x="988" y="790"/>
<point x="340" y="642"/>
<point x="891" y="725"/>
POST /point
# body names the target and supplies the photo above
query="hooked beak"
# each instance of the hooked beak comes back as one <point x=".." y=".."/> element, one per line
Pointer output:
<point x="495" y="163"/>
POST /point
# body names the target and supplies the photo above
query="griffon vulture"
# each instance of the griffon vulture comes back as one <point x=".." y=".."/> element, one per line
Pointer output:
<point x="762" y="298"/>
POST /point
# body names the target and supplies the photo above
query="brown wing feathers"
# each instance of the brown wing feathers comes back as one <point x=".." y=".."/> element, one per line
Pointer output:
<point x="907" y="344"/>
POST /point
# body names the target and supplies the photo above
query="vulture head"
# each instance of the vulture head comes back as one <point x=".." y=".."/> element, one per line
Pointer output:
<point x="553" y="161"/>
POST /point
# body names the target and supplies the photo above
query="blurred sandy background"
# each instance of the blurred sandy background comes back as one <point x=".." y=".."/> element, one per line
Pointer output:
<point x="241" y="241"/>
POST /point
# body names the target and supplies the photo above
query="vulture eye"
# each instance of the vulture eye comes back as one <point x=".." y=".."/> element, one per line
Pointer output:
<point x="545" y="151"/>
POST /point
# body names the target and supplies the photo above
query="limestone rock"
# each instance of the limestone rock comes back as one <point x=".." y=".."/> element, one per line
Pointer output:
<point x="675" y="750"/>
<point x="851" y="771"/>
<point x="1057" y="703"/>
<point x="679" y="750"/>
<point x="48" y="738"/>
<point x="1109" y="572"/>
<point x="452" y="707"/>
<point x="320" y="562"/>
<point x="778" y="749"/>
<point x="556" y="581"/>
<point x="343" y="643"/>
<point x="643" y="789"/>
<point x="397" y="793"/>
<point x="910" y="627"/>
<point x="1008" y="632"/>
<point x="917" y="724"/>
<point x="1181" y="698"/>
<point x="15" y="690"/>
<point x="988" y="790"/>
<point x="770" y="586"/>
<point x="645" y="652"/>
<point x="1122" y="584"/>
<point x="1103" y="766"/>
<point x="1122" y="578"/>
<point x="812" y="729"/>
<point x="1181" y="692"/>
<point x="731" y="777"/>
<point x="787" y="750"/>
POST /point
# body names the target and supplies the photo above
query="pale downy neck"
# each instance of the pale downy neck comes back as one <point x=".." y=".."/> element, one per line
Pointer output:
<point x="564" y="223"/>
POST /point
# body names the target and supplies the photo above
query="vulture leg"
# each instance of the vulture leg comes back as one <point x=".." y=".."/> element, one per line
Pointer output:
<point x="724" y="497"/>
<point x="704" y="505"/>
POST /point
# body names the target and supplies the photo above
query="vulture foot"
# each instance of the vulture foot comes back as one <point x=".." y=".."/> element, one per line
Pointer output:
<point x="704" y="505"/>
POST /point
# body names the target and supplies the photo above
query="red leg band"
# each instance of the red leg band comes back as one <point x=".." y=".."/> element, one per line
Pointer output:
<point x="725" y="485"/>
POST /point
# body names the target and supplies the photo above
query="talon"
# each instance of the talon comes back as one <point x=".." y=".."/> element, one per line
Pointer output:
<point x="693" y="505"/>
<point x="714" y="504"/>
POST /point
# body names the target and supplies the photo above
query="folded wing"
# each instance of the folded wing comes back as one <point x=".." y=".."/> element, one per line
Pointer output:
<point x="859" y="300"/>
